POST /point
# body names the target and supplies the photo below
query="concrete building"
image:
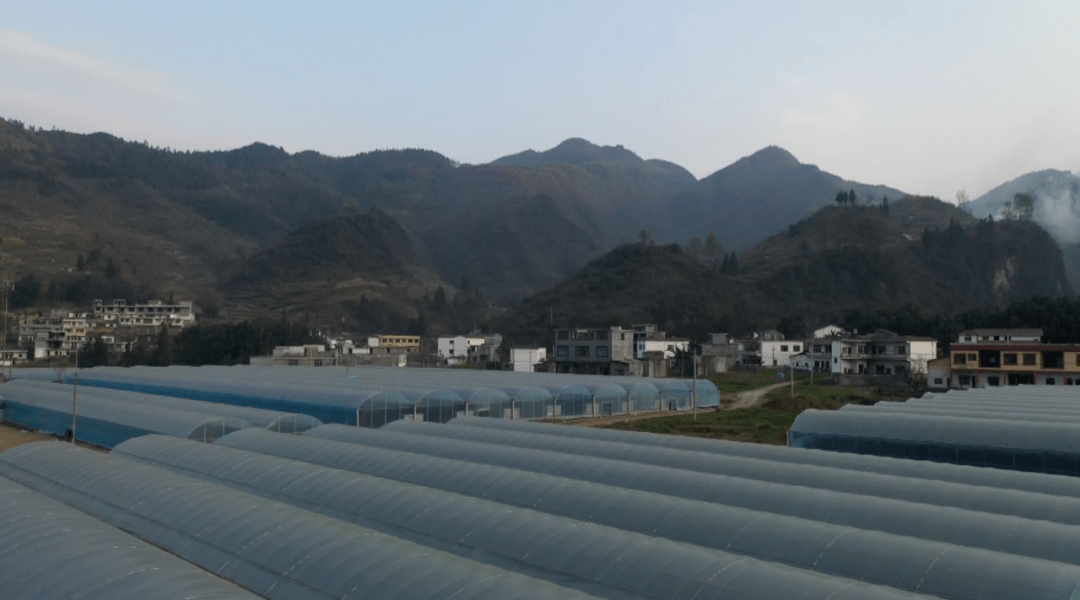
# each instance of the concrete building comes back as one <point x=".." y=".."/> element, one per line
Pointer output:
<point x="53" y="334"/>
<point x="339" y="354"/>
<point x="152" y="314"/>
<point x="457" y="349"/>
<point x="648" y="339"/>
<point x="488" y="351"/>
<point x="596" y="352"/>
<point x="999" y="363"/>
<point x="526" y="360"/>
<point x="882" y="353"/>
<point x="719" y="354"/>
<point x="1000" y="335"/>
<point x="938" y="374"/>
<point x="410" y="343"/>
<point x="777" y="353"/>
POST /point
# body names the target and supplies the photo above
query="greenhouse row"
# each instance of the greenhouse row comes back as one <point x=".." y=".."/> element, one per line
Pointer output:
<point x="605" y="560"/>
<point x="910" y="562"/>
<point x="795" y="461"/>
<point x="1022" y="428"/>
<point x="491" y="508"/>
<point x="374" y="396"/>
<point x="272" y="549"/>
<point x="700" y="476"/>
<point x="106" y="417"/>
<point x="50" y="550"/>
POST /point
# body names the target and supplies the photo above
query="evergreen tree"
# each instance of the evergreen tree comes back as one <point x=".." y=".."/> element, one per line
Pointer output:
<point x="111" y="270"/>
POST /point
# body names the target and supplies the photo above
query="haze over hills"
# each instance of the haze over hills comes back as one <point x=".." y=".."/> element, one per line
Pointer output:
<point x="1056" y="196"/>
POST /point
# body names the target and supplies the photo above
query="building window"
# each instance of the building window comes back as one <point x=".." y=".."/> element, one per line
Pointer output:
<point x="796" y="348"/>
<point x="564" y="335"/>
<point x="601" y="352"/>
<point x="562" y="351"/>
<point x="1068" y="381"/>
<point x="901" y="350"/>
<point x="965" y="380"/>
<point x="1051" y="381"/>
<point x="993" y="380"/>
<point x="581" y="351"/>
<point x="783" y="347"/>
<point x="959" y="359"/>
<point x="938" y="381"/>
<point x="601" y="335"/>
<point x="1009" y="358"/>
<point x="1053" y="359"/>
<point x="1029" y="359"/>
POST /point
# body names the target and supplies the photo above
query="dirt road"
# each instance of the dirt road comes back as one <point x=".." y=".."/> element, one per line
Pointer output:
<point x="751" y="398"/>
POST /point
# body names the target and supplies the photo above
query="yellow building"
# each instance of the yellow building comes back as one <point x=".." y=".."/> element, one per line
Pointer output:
<point x="411" y="343"/>
<point x="990" y="364"/>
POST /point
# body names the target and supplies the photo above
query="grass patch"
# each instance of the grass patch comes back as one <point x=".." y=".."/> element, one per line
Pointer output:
<point x="767" y="424"/>
<point x="730" y="383"/>
<point x="827" y="392"/>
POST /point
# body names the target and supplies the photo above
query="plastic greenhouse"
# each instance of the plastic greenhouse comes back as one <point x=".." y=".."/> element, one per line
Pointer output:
<point x="435" y="395"/>
<point x="762" y="486"/>
<point x="904" y="562"/>
<point x="101" y="421"/>
<point x="274" y="550"/>
<point x="50" y="550"/>
<point x="603" y="560"/>
<point x="797" y="465"/>
<point x="1006" y="444"/>
<point x="272" y="420"/>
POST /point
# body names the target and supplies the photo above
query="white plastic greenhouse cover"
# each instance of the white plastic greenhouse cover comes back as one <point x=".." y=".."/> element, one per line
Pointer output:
<point x="796" y="465"/>
<point x="940" y="522"/>
<point x="975" y="411"/>
<point x="1019" y="445"/>
<point x="50" y="550"/>
<point x="906" y="563"/>
<point x="517" y="446"/>
<point x="267" y="419"/>
<point x="248" y="386"/>
<point x="275" y="550"/>
<point x="104" y="422"/>
<point x="228" y="387"/>
<point x="604" y="560"/>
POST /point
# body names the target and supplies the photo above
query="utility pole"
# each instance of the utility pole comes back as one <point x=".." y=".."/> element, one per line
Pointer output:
<point x="693" y="390"/>
<point x="74" y="406"/>
<point x="7" y="292"/>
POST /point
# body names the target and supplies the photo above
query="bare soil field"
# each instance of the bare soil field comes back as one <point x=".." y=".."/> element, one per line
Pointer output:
<point x="11" y="436"/>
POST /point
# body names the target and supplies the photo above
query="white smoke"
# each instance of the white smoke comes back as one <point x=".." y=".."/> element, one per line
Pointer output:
<point x="1057" y="209"/>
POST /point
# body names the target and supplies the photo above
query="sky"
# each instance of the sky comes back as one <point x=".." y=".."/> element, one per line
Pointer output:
<point x="927" y="97"/>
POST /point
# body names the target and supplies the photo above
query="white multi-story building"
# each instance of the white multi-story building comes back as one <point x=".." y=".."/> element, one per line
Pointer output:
<point x="882" y="353"/>
<point x="456" y="349"/>
<point x="778" y="353"/>
<point x="154" y="313"/>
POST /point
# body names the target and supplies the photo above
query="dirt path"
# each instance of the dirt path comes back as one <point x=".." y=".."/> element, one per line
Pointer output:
<point x="751" y="398"/>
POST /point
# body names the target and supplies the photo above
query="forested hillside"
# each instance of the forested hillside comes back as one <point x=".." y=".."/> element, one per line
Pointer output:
<point x="922" y="254"/>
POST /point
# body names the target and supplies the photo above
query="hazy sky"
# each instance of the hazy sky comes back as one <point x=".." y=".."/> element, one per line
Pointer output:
<point x="928" y="97"/>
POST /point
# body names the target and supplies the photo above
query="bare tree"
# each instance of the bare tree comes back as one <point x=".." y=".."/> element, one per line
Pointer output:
<point x="59" y="366"/>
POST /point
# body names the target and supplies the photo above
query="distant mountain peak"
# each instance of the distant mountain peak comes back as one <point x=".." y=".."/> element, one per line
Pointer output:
<point x="774" y="155"/>
<point x="575" y="151"/>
